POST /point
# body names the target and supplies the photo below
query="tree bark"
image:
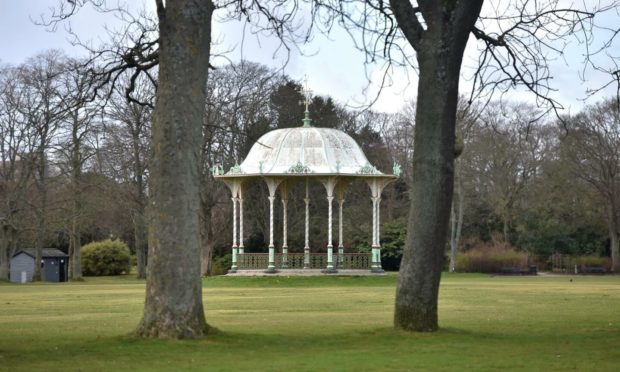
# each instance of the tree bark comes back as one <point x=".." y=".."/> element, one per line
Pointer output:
<point x="173" y="306"/>
<point x="439" y="51"/>
<point x="456" y="219"/>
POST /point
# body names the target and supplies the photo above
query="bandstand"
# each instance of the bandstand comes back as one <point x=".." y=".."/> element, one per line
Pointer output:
<point x="283" y="157"/>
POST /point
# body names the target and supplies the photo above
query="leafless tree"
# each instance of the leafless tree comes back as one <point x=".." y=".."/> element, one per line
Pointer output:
<point x="128" y="140"/>
<point x="16" y="151"/>
<point x="593" y="146"/>
<point x="429" y="37"/>
<point x="41" y="79"/>
<point x="74" y="151"/>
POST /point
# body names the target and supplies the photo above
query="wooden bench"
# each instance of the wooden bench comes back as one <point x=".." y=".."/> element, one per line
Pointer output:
<point x="513" y="270"/>
<point x="592" y="270"/>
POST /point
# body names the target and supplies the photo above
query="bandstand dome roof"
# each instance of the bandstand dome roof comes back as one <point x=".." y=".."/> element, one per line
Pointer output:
<point x="306" y="150"/>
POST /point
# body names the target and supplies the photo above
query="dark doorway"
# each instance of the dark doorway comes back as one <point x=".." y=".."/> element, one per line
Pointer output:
<point x="51" y="267"/>
<point x="62" y="277"/>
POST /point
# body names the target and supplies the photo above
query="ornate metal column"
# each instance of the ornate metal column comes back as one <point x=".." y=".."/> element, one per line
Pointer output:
<point x="284" y="196"/>
<point x="376" y="248"/>
<point x="233" y="268"/>
<point x="272" y="184"/>
<point x="307" y="239"/>
<point x="234" y="185"/>
<point x="376" y="187"/>
<point x="241" y="248"/>
<point x="340" y="190"/>
<point x="272" y="252"/>
<point x="329" y="184"/>
<point x="340" y="244"/>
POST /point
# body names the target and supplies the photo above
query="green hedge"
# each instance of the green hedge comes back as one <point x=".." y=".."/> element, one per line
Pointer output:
<point x="107" y="257"/>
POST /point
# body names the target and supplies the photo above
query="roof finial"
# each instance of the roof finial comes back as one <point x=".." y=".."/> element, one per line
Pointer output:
<point x="307" y="93"/>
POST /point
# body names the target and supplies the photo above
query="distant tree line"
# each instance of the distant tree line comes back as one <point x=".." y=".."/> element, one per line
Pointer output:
<point x="75" y="166"/>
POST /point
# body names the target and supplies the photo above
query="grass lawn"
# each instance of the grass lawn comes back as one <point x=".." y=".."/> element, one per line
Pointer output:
<point x="319" y="323"/>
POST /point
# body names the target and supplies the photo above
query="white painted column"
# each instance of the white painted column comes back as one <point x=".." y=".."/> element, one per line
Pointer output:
<point x="340" y="242"/>
<point x="379" y="222"/>
<point x="375" y="247"/>
<point x="307" y="238"/>
<point x="272" y="251"/>
<point x="272" y="185"/>
<point x="284" y="235"/>
<point x="330" y="247"/>
<point x="376" y="187"/>
<point x="330" y="184"/>
<point x="241" y="252"/>
<point x="233" y="268"/>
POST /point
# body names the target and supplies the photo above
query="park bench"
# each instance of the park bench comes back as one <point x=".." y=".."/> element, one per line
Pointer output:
<point x="592" y="270"/>
<point x="513" y="270"/>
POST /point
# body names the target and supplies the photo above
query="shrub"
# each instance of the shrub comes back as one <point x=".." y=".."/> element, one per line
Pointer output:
<point x="221" y="264"/>
<point x="107" y="257"/>
<point x="491" y="257"/>
<point x="393" y="235"/>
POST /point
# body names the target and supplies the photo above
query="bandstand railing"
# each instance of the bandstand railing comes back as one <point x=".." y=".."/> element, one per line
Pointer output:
<point x="260" y="261"/>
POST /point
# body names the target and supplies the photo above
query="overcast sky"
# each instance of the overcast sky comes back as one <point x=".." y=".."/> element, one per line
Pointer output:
<point x="333" y="66"/>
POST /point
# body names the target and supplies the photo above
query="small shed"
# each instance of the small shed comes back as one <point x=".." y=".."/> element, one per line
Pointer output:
<point x="54" y="265"/>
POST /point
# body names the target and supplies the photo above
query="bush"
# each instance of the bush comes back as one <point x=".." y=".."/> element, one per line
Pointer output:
<point x="491" y="257"/>
<point x="107" y="257"/>
<point x="221" y="264"/>
<point x="393" y="235"/>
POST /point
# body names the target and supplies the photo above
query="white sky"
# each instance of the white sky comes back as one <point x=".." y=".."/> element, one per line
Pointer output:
<point x="333" y="66"/>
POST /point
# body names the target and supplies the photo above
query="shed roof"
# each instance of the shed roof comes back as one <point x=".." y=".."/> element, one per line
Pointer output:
<point x="47" y="252"/>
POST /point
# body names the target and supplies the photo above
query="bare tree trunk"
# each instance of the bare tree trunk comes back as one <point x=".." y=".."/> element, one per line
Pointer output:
<point x="76" y="183"/>
<point x="76" y="254"/>
<point x="140" y="234"/>
<point x="173" y="306"/>
<point x="70" y="253"/>
<point x="4" y="252"/>
<point x="439" y="55"/>
<point x="206" y="229"/>
<point x="456" y="216"/>
<point x="614" y="237"/>
<point x="8" y="235"/>
<point x="207" y="244"/>
<point x="41" y="212"/>
<point x="506" y="230"/>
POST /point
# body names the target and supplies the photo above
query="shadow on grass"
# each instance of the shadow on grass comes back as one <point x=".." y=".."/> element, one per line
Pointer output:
<point x="376" y="348"/>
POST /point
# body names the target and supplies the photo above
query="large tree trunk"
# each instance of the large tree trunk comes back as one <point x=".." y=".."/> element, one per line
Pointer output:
<point x="456" y="219"/>
<point x="173" y="306"/>
<point x="439" y="53"/>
